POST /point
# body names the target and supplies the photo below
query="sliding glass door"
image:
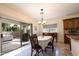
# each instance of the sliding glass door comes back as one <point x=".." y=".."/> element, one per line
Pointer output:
<point x="10" y="38"/>
<point x="13" y="35"/>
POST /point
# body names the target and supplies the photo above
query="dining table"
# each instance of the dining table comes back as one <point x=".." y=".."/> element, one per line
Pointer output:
<point x="44" y="40"/>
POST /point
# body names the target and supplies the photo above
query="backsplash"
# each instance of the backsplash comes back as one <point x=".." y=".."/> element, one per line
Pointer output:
<point x="72" y="31"/>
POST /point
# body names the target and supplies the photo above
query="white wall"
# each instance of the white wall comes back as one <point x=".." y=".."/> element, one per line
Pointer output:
<point x="39" y="29"/>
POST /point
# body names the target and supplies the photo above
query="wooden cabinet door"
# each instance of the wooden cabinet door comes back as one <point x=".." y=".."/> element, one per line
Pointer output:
<point x="65" y="24"/>
<point x="72" y="23"/>
<point x="68" y="24"/>
<point x="77" y="23"/>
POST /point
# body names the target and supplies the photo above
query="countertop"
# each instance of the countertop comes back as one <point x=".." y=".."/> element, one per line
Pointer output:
<point x="75" y="37"/>
<point x="74" y="44"/>
<point x="71" y="34"/>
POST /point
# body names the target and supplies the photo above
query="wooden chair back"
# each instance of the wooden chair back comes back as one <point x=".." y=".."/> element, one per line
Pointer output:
<point x="34" y="40"/>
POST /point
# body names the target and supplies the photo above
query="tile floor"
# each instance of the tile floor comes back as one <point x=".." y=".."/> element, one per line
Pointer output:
<point x="64" y="49"/>
<point x="61" y="49"/>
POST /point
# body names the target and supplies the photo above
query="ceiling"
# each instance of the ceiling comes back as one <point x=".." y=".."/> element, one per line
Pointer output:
<point x="51" y="10"/>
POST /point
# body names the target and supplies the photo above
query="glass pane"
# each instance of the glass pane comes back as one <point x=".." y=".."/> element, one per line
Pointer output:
<point x="25" y="32"/>
<point x="10" y="37"/>
<point x="50" y="28"/>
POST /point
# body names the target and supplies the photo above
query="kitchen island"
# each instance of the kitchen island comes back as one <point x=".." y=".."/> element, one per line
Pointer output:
<point x="74" y="39"/>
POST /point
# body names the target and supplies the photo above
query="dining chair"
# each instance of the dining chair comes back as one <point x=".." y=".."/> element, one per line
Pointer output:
<point x="50" y="45"/>
<point x="35" y="45"/>
<point x="55" y="37"/>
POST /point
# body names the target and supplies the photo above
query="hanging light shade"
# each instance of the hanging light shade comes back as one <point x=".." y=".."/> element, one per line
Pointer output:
<point x="42" y="17"/>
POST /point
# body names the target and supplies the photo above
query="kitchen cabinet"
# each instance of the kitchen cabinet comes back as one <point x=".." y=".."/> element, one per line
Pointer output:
<point x="71" y="23"/>
<point x="71" y="27"/>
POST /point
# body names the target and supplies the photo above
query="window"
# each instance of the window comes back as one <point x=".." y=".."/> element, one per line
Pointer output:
<point x="50" y="28"/>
